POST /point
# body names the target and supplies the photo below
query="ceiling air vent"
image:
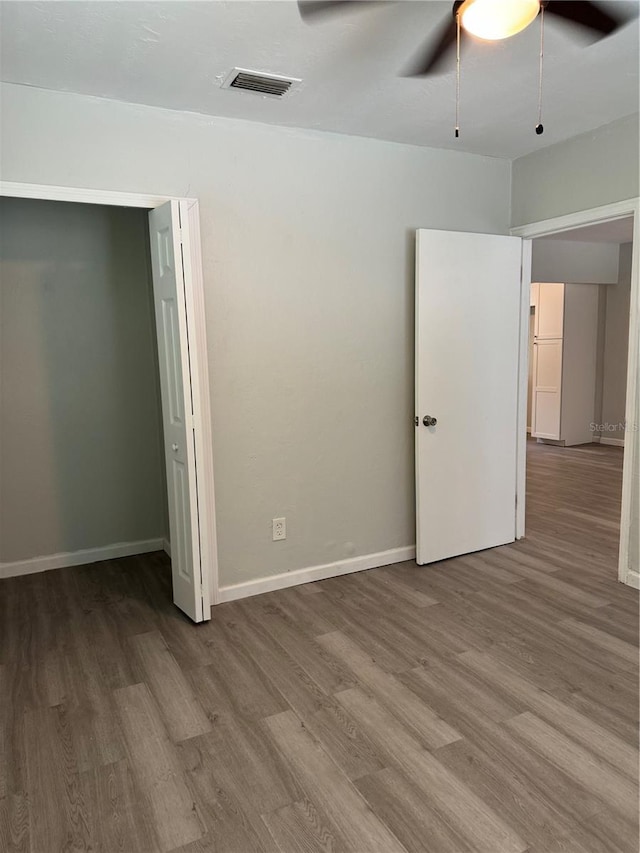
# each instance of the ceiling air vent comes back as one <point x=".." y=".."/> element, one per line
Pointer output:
<point x="270" y="85"/>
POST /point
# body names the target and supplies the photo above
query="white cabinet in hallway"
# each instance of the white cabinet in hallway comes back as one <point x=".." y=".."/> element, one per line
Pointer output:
<point x="564" y="361"/>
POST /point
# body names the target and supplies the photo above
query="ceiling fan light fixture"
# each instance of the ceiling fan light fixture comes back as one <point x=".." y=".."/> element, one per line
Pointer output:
<point x="493" y="20"/>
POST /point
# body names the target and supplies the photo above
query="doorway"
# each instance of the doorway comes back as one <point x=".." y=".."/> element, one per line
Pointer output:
<point x="577" y="385"/>
<point x="189" y="342"/>
<point x="82" y="450"/>
<point x="618" y="226"/>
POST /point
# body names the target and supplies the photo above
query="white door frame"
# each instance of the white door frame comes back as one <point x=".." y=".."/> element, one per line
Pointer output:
<point x="544" y="228"/>
<point x="196" y="329"/>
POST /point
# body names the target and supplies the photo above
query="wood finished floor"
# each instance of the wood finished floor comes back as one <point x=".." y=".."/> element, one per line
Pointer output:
<point x="487" y="703"/>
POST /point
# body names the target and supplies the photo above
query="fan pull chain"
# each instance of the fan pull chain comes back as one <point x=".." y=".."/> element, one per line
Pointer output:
<point x="540" y="126"/>
<point x="457" y="131"/>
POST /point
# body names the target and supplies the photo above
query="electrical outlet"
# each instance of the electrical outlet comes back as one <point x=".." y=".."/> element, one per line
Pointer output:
<point x="279" y="528"/>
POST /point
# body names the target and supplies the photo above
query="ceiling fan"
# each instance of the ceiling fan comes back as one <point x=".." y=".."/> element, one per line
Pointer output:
<point x="489" y="20"/>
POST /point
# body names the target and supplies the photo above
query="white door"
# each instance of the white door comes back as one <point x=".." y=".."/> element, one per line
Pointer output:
<point x="547" y="388"/>
<point x="177" y="413"/>
<point x="547" y="359"/>
<point x="550" y="313"/>
<point x="468" y="297"/>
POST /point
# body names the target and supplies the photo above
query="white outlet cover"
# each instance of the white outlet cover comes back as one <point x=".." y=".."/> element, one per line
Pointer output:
<point x="279" y="528"/>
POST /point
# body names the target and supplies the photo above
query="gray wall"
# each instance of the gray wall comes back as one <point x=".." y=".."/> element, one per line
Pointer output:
<point x="308" y="252"/>
<point x="574" y="261"/>
<point x="616" y="347"/>
<point x="587" y="171"/>
<point x="80" y="427"/>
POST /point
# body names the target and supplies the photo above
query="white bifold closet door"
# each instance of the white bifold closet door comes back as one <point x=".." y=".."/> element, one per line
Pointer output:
<point x="468" y="307"/>
<point x="177" y="409"/>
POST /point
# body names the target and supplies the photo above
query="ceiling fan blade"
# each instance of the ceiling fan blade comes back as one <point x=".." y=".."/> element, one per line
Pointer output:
<point x="430" y="56"/>
<point x="589" y="15"/>
<point x="313" y="10"/>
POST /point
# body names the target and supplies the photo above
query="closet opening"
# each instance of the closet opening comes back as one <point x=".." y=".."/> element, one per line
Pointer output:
<point x="578" y="349"/>
<point x="104" y="409"/>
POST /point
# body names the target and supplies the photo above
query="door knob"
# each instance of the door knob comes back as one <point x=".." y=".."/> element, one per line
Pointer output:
<point x="174" y="447"/>
<point x="429" y="421"/>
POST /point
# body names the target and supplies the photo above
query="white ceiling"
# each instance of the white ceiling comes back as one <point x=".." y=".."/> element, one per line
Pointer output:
<point x="615" y="231"/>
<point x="176" y="55"/>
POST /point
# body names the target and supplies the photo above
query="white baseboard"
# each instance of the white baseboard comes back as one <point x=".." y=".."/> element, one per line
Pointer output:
<point x="615" y="442"/>
<point x="79" y="558"/>
<point x="166" y="547"/>
<point x="315" y="573"/>
<point x="633" y="579"/>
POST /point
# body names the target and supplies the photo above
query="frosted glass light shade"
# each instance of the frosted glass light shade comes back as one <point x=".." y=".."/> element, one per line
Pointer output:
<point x="497" y="19"/>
